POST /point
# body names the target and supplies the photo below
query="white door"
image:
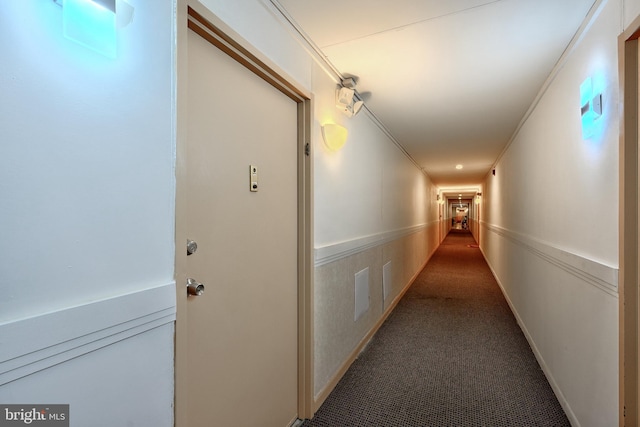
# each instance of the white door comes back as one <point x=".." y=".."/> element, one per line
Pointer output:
<point x="242" y="331"/>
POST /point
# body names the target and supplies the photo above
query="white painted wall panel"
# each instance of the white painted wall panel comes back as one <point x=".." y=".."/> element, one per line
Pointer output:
<point x="631" y="11"/>
<point x="123" y="384"/>
<point x="369" y="186"/>
<point x="551" y="227"/>
<point x="405" y="191"/>
<point x="361" y="293"/>
<point x="87" y="162"/>
<point x="550" y="165"/>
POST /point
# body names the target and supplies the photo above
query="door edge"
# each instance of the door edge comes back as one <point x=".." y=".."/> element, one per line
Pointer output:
<point x="628" y="68"/>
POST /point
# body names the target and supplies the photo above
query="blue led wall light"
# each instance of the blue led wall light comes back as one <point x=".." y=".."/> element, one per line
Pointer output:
<point x="590" y="108"/>
<point x="91" y="23"/>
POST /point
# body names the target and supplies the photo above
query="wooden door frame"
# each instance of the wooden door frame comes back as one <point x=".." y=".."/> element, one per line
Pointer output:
<point x="629" y="66"/>
<point x="194" y="17"/>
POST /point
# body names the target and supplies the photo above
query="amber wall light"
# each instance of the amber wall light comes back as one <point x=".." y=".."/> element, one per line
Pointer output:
<point x="334" y="136"/>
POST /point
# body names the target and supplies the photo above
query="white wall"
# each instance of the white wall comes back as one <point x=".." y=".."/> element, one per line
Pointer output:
<point x="87" y="182"/>
<point x="631" y="10"/>
<point x="120" y="385"/>
<point x="369" y="186"/>
<point x="550" y="230"/>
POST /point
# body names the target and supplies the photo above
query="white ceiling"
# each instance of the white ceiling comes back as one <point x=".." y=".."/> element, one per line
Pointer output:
<point x="450" y="79"/>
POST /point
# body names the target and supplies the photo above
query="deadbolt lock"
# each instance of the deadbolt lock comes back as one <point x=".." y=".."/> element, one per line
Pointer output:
<point x="192" y="247"/>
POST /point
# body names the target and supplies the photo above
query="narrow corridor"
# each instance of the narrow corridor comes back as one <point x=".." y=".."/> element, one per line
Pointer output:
<point x="451" y="354"/>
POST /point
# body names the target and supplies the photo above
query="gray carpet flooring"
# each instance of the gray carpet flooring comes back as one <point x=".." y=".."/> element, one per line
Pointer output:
<point x="450" y="354"/>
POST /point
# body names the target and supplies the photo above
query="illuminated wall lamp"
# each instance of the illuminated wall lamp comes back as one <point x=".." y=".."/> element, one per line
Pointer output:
<point x="590" y="108"/>
<point x="334" y="136"/>
<point x="91" y="23"/>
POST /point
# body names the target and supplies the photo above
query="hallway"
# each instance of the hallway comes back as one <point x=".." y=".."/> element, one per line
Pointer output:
<point x="450" y="354"/>
<point x="94" y="179"/>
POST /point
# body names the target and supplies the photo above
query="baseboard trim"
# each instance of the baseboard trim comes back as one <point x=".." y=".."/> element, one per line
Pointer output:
<point x="322" y="395"/>
<point x="543" y="365"/>
<point x="597" y="274"/>
<point x="40" y="342"/>
<point x="331" y="253"/>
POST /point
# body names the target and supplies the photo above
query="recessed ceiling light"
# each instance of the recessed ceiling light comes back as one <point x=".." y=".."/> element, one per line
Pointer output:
<point x="458" y="167"/>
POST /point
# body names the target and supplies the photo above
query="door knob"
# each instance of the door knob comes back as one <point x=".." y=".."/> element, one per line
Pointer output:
<point x="194" y="288"/>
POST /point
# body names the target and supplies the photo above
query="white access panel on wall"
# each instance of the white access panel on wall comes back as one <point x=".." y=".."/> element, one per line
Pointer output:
<point x="362" y="293"/>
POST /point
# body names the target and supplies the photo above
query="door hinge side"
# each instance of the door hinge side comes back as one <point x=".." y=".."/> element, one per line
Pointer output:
<point x="307" y="149"/>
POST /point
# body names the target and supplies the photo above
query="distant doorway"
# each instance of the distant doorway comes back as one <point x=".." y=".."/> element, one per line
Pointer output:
<point x="460" y="216"/>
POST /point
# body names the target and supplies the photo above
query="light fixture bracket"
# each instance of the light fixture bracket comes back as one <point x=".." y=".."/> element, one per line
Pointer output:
<point x="349" y="82"/>
<point x="348" y="101"/>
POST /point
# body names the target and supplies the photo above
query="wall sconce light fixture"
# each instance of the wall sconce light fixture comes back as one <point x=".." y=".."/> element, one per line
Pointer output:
<point x="91" y="23"/>
<point x="590" y="108"/>
<point x="94" y="23"/>
<point x="334" y="136"/>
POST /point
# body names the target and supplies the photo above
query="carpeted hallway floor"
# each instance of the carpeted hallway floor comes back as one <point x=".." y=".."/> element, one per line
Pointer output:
<point x="451" y="354"/>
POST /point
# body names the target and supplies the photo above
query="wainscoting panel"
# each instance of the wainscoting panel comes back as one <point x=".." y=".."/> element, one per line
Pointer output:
<point x="36" y="343"/>
<point x="590" y="271"/>
<point x="327" y="254"/>
<point x="567" y="307"/>
<point x="339" y="339"/>
<point x="127" y="383"/>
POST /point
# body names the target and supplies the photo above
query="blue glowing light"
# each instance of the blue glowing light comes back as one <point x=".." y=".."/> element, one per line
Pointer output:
<point x="590" y="108"/>
<point x="91" y="24"/>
